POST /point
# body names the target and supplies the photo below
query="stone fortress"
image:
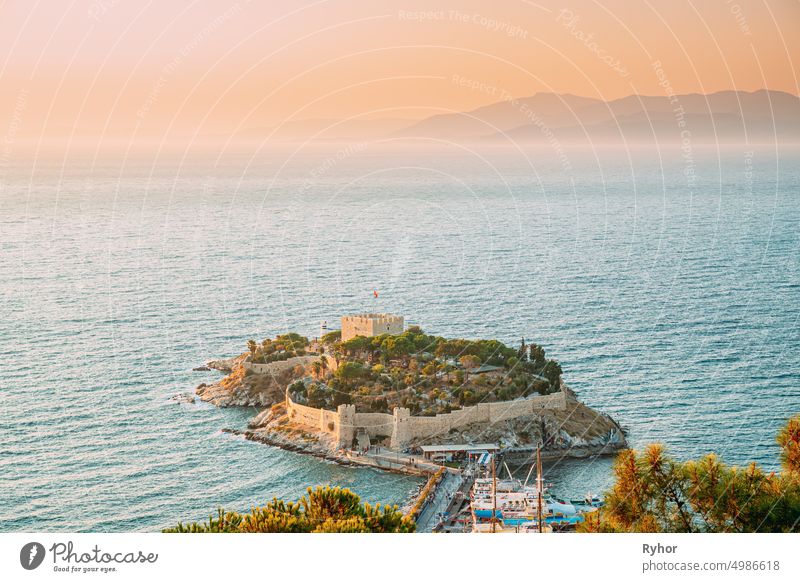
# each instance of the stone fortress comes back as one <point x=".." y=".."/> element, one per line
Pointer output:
<point x="320" y="431"/>
<point x="400" y="426"/>
<point x="371" y="324"/>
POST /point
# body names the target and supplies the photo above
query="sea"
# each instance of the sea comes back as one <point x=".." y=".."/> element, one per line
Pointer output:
<point x="665" y="280"/>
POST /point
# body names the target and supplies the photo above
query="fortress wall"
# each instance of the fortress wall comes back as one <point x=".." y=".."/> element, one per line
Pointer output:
<point x="256" y="368"/>
<point x="557" y="401"/>
<point x="374" y="423"/>
<point x="402" y="427"/>
<point x="417" y="427"/>
<point x="426" y="426"/>
<point x="329" y="421"/>
<point x="351" y="327"/>
<point x="311" y="417"/>
<point x="282" y="366"/>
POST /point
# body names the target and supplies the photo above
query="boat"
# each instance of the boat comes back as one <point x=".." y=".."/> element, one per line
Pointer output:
<point x="589" y="501"/>
<point x="509" y="505"/>
<point x="523" y="498"/>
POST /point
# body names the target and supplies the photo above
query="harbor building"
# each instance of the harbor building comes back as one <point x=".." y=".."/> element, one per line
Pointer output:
<point x="371" y="324"/>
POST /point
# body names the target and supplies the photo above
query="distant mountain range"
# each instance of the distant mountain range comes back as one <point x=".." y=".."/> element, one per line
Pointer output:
<point x="723" y="116"/>
<point x="718" y="117"/>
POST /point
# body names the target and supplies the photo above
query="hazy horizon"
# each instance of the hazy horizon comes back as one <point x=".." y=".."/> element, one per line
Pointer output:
<point x="104" y="70"/>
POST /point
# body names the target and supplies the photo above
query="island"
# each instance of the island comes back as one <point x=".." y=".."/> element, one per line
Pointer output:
<point x="380" y="394"/>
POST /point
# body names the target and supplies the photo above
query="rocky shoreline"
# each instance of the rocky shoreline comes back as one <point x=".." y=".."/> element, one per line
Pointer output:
<point x="243" y="388"/>
<point x="225" y="364"/>
<point x="288" y="445"/>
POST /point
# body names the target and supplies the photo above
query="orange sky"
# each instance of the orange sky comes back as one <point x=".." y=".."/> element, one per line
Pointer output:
<point x="124" y="68"/>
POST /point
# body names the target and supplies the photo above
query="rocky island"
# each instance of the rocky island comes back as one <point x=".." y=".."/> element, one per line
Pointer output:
<point x="375" y="385"/>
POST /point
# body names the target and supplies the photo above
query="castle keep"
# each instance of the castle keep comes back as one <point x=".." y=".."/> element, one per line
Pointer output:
<point x="371" y="324"/>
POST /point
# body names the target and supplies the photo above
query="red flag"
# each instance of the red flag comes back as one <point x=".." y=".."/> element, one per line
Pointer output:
<point x="375" y="293"/>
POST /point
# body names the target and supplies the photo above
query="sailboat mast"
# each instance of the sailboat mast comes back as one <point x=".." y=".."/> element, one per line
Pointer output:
<point x="539" y="488"/>
<point x="494" y="496"/>
<point x="530" y="471"/>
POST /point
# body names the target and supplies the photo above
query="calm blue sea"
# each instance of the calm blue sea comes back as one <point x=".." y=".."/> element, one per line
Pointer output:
<point x="667" y="284"/>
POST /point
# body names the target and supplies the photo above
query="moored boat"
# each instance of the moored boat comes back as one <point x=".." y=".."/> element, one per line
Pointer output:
<point x="510" y="505"/>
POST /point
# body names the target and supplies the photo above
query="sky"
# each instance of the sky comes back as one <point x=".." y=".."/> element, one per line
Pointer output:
<point x="149" y="69"/>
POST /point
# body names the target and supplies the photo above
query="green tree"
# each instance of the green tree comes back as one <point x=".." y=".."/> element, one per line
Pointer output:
<point x="789" y="441"/>
<point x="338" y="352"/>
<point x="358" y="345"/>
<point x="380" y="405"/>
<point x="536" y="354"/>
<point x="552" y="371"/>
<point x="447" y="369"/>
<point x="316" y="396"/>
<point x="340" y="397"/>
<point x="331" y="337"/>
<point x="321" y="510"/>
<point x="403" y="348"/>
<point x="350" y="371"/>
<point x="292" y="341"/>
<point x="522" y="352"/>
<point x="655" y="493"/>
<point x="469" y="363"/>
<point x="252" y="346"/>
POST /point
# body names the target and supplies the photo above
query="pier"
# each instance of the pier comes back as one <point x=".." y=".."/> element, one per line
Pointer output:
<point x="397" y="462"/>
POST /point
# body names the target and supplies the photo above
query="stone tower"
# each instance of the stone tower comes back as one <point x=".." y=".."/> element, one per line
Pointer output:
<point x="401" y="430"/>
<point x="371" y="324"/>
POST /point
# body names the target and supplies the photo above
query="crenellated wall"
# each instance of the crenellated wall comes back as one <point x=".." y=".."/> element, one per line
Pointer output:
<point x="345" y="423"/>
<point x="411" y="427"/>
<point x="371" y="324"/>
<point x="281" y="366"/>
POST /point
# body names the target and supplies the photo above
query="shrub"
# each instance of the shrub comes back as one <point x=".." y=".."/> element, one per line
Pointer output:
<point x="656" y="493"/>
<point x="321" y="510"/>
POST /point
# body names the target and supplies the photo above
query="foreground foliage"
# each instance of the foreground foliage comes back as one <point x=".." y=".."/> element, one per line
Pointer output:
<point x="655" y="493"/>
<point x="322" y="510"/>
